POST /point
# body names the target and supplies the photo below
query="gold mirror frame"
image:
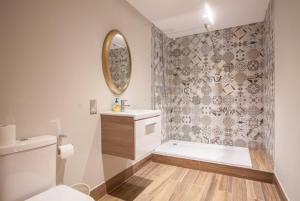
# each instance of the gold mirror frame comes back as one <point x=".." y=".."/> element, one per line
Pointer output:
<point x="106" y="64"/>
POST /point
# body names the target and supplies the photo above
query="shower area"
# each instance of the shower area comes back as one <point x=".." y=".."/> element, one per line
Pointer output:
<point x="215" y="90"/>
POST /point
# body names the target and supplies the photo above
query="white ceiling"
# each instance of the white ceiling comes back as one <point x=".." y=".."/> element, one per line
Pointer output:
<point x="185" y="17"/>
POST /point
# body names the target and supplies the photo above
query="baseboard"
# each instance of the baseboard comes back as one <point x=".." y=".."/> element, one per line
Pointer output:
<point x="280" y="190"/>
<point x="241" y="172"/>
<point x="117" y="180"/>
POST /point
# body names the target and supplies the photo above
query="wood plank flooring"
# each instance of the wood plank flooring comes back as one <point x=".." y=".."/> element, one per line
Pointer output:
<point x="159" y="182"/>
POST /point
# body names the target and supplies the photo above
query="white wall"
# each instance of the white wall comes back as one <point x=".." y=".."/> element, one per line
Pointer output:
<point x="50" y="60"/>
<point x="287" y="96"/>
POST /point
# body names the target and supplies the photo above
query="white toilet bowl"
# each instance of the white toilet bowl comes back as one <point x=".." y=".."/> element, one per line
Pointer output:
<point x="61" y="193"/>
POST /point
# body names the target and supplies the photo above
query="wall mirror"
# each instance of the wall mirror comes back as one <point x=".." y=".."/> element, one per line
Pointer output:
<point x="116" y="62"/>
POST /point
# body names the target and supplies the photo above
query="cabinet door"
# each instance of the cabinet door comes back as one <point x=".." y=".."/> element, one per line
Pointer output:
<point x="147" y="136"/>
<point x="118" y="136"/>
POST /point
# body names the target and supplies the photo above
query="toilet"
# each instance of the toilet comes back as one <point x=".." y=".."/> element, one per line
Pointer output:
<point x="28" y="172"/>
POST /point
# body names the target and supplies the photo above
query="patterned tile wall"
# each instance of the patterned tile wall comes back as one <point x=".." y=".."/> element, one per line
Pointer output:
<point x="159" y="81"/>
<point x="268" y="82"/>
<point x="210" y="86"/>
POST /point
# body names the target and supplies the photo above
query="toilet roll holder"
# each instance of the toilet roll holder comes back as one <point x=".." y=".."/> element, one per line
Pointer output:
<point x="59" y="141"/>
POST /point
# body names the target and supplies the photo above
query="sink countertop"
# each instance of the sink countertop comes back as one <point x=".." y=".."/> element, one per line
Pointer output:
<point x="136" y="114"/>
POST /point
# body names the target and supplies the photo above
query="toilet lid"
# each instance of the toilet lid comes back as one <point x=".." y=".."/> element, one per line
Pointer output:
<point x="61" y="193"/>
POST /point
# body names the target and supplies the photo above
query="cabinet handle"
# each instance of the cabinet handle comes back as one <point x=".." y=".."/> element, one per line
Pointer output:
<point x="151" y="124"/>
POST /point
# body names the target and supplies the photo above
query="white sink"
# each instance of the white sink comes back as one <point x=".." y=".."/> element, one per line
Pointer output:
<point x="136" y="114"/>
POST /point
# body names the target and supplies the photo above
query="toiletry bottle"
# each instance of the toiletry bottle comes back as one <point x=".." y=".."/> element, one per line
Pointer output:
<point x="116" y="105"/>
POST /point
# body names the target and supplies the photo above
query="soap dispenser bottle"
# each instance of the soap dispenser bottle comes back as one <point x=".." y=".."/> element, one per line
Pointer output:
<point x="116" y="105"/>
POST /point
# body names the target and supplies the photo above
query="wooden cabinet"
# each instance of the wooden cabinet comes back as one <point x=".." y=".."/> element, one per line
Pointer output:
<point x="130" y="137"/>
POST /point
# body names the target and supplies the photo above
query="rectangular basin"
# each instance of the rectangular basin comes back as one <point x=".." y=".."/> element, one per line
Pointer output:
<point x="135" y="114"/>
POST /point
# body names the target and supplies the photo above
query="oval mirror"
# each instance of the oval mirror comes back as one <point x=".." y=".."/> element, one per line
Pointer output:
<point x="116" y="62"/>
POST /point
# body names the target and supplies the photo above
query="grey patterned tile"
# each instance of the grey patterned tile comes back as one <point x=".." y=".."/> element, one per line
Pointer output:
<point x="207" y="95"/>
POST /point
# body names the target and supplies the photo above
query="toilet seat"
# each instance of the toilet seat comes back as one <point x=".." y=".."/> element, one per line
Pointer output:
<point x="61" y="193"/>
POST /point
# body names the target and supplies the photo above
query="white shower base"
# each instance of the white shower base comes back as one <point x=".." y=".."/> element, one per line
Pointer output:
<point x="222" y="154"/>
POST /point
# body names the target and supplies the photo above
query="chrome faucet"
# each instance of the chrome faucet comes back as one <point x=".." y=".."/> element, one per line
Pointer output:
<point x="123" y="105"/>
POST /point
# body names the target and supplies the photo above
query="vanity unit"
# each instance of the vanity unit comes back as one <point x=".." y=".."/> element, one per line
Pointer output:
<point x="132" y="134"/>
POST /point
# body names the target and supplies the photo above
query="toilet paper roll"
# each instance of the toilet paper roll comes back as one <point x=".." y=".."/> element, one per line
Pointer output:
<point x="7" y="135"/>
<point x="65" y="151"/>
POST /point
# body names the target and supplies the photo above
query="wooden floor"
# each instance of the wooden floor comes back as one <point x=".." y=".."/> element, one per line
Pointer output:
<point x="159" y="182"/>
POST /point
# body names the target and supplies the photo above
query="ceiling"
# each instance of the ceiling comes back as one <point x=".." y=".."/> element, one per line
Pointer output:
<point x="186" y="17"/>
